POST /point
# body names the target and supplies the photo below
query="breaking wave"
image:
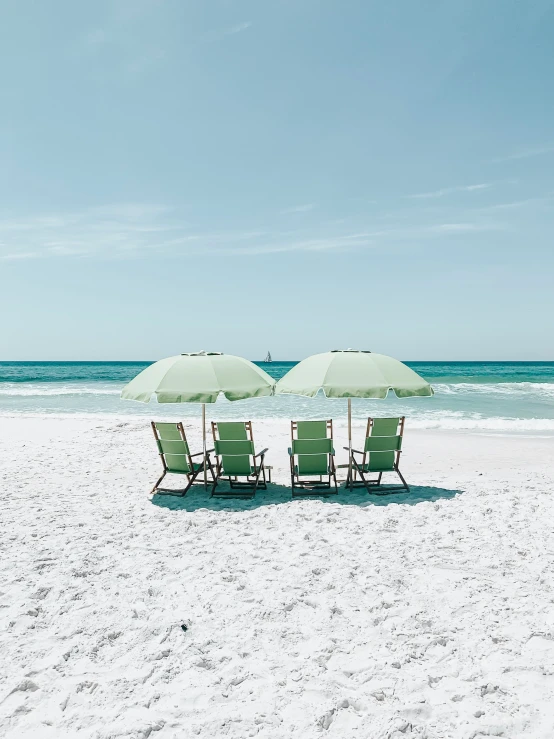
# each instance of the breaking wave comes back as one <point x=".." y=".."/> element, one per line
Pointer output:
<point x="535" y="389"/>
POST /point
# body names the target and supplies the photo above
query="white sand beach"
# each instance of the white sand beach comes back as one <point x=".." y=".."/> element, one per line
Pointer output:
<point x="426" y="615"/>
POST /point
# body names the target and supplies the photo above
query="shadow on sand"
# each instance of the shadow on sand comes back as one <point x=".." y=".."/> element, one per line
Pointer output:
<point x="198" y="498"/>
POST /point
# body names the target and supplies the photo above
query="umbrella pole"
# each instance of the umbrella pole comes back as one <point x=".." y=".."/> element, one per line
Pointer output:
<point x="204" y="444"/>
<point x="350" y="441"/>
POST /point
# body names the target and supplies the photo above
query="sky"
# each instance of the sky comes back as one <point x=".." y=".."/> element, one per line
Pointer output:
<point x="293" y="176"/>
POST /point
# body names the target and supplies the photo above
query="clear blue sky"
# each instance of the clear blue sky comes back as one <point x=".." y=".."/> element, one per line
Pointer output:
<point x="296" y="176"/>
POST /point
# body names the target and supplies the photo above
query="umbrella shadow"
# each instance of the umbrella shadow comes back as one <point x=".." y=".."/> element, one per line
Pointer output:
<point x="197" y="498"/>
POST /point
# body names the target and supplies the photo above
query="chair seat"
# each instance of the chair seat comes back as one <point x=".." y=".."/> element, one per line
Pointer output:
<point x="322" y="471"/>
<point x="253" y="471"/>
<point x="196" y="466"/>
<point x="377" y="468"/>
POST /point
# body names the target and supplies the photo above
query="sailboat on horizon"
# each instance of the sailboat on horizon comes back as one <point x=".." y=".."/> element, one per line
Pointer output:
<point x="268" y="358"/>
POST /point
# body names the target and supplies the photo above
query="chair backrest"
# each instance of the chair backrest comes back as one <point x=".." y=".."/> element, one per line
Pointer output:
<point x="234" y="446"/>
<point x="383" y="443"/>
<point x="312" y="444"/>
<point x="173" y="447"/>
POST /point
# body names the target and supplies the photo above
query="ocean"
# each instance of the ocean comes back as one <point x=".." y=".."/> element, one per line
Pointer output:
<point x="501" y="397"/>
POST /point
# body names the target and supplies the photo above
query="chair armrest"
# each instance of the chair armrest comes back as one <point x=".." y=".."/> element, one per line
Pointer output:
<point x="290" y="451"/>
<point x="260" y="454"/>
<point x="354" y="451"/>
<point x="200" y="453"/>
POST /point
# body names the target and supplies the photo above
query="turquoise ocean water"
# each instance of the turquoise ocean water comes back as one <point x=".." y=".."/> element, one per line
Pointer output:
<point x="502" y="397"/>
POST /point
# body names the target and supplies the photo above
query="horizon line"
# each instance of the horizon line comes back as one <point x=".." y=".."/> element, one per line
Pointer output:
<point x="275" y="361"/>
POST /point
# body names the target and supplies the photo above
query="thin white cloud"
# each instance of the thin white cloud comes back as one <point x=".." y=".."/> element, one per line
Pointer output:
<point x="115" y="229"/>
<point x="461" y="227"/>
<point x="131" y="211"/>
<point x="216" y="35"/>
<point x="300" y="208"/>
<point x="449" y="190"/>
<point x="21" y="255"/>
<point x="274" y="243"/>
<point x="408" y="233"/>
<point x="546" y="200"/>
<point x="238" y="28"/>
<point x="526" y="153"/>
<point x="129" y="230"/>
<point x="278" y="245"/>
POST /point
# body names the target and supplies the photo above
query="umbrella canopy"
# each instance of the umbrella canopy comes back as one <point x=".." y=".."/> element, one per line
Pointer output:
<point x="199" y="377"/>
<point x="350" y="373"/>
<point x="353" y="374"/>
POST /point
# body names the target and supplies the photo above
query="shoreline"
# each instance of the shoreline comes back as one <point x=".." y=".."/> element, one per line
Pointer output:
<point x="338" y="420"/>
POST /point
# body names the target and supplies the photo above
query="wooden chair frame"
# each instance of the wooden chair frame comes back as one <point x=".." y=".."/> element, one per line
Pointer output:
<point x="191" y="476"/>
<point x="374" y="486"/>
<point x="313" y="487"/>
<point x="243" y="489"/>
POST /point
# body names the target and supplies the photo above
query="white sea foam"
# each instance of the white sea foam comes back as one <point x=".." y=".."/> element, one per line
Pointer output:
<point x="509" y="407"/>
<point x="455" y="422"/>
<point x="446" y="422"/>
<point x="53" y="389"/>
<point x="495" y="388"/>
<point x="459" y="388"/>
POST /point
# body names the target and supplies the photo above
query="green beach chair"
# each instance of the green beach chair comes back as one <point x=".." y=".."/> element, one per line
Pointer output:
<point x="382" y="449"/>
<point x="237" y="458"/>
<point x="176" y="457"/>
<point x="312" y="455"/>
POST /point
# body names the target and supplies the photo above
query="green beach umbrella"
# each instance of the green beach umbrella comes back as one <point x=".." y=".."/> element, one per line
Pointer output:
<point x="199" y="377"/>
<point x="350" y="374"/>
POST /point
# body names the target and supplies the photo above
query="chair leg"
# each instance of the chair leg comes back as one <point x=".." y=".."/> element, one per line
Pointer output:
<point x="210" y="467"/>
<point x="377" y="489"/>
<point x="354" y="472"/>
<point x="156" y="485"/>
<point x="256" y="481"/>
<point x="191" y="479"/>
<point x="175" y="493"/>
<point x="402" y="478"/>
<point x="362" y="476"/>
<point x="350" y="477"/>
<point x="215" y="478"/>
<point x="178" y="493"/>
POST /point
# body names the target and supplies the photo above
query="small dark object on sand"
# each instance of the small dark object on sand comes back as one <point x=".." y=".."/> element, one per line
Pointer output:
<point x="184" y="627"/>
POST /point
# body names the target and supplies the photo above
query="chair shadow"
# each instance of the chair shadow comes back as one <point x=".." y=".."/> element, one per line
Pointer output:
<point x="197" y="498"/>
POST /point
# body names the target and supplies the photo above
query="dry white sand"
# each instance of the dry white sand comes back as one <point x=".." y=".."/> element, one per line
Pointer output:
<point x="427" y="615"/>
